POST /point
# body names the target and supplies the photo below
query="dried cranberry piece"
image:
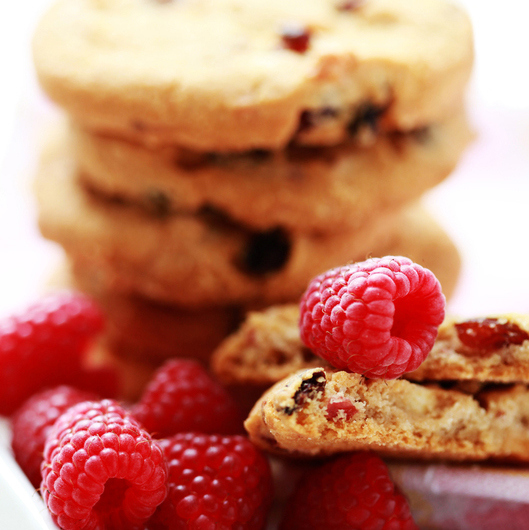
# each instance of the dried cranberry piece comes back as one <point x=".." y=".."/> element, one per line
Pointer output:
<point x="265" y="252"/>
<point x="344" y="406"/>
<point x="489" y="333"/>
<point x="295" y="37"/>
<point x="349" y="5"/>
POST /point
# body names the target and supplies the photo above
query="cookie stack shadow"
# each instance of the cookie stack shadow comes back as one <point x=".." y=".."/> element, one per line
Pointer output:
<point x="194" y="184"/>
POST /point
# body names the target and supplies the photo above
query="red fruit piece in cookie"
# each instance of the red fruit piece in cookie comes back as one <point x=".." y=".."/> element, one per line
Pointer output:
<point x="351" y="492"/>
<point x="489" y="334"/>
<point x="43" y="346"/>
<point x="32" y="422"/>
<point x="295" y="37"/>
<point x="183" y="397"/>
<point x="215" y="482"/>
<point x="101" y="469"/>
<point x="378" y="317"/>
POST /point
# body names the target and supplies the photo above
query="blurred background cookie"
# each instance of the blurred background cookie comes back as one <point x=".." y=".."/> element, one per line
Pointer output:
<point x="228" y="75"/>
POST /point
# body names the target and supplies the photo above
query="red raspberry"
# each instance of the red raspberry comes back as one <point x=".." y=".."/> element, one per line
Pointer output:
<point x="378" y="317"/>
<point x="31" y="424"/>
<point x="43" y="346"/>
<point x="215" y="483"/>
<point x="101" y="469"/>
<point x="182" y="397"/>
<point x="352" y="492"/>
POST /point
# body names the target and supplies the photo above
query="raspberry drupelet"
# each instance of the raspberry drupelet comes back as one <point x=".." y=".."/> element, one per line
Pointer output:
<point x="215" y="483"/>
<point x="101" y="470"/>
<point x="183" y="397"/>
<point x="44" y="346"/>
<point x="351" y="492"/>
<point x="32" y="422"/>
<point x="378" y="317"/>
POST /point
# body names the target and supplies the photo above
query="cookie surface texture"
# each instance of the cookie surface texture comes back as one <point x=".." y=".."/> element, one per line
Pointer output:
<point x="221" y="75"/>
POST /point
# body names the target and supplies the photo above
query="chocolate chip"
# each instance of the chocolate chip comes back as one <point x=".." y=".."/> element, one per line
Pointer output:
<point x="265" y="252"/>
<point x="312" y="118"/>
<point x="260" y="155"/>
<point x="367" y="116"/>
<point x="308" y="389"/>
<point x="158" y="203"/>
<point x="298" y="154"/>
<point x="295" y="37"/>
<point x="190" y="160"/>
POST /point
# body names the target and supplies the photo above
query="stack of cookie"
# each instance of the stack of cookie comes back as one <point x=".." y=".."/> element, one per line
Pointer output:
<point x="220" y="153"/>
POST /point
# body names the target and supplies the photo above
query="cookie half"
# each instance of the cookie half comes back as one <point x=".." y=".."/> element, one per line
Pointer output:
<point x="318" y="412"/>
<point x="267" y="347"/>
<point x="234" y="75"/>
<point x="142" y="329"/>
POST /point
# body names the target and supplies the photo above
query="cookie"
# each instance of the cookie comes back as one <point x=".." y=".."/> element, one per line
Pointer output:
<point x="194" y="260"/>
<point x="489" y="349"/>
<point x="319" y="412"/>
<point x="233" y="75"/>
<point x="138" y="328"/>
<point x="300" y="188"/>
<point x="267" y="347"/>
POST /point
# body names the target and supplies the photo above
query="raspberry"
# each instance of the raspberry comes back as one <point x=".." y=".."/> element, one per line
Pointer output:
<point x="182" y="397"/>
<point x="351" y="492"/>
<point x="215" y="482"/>
<point x="31" y="424"/>
<point x="43" y="346"/>
<point x="378" y="317"/>
<point x="101" y="470"/>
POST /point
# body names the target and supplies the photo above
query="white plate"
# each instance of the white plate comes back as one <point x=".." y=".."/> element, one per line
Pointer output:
<point x="21" y="507"/>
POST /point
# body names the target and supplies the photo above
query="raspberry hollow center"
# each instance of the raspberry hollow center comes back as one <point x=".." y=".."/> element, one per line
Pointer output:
<point x="407" y="311"/>
<point x="113" y="495"/>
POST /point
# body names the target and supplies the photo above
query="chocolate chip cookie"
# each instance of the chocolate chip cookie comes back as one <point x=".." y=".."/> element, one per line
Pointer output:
<point x="234" y="75"/>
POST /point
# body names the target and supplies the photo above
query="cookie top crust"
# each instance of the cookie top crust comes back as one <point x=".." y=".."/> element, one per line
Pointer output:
<point x="225" y="75"/>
